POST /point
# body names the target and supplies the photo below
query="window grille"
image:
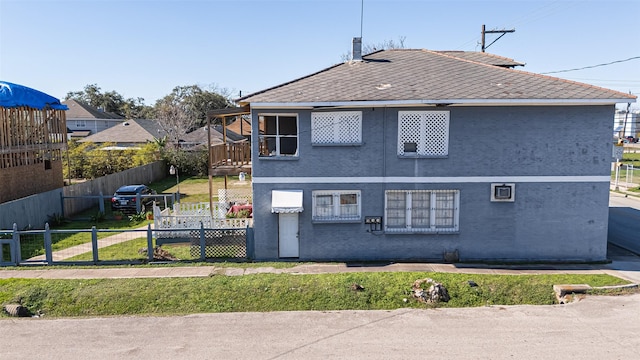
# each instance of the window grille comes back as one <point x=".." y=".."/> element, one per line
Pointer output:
<point x="341" y="127"/>
<point x="423" y="133"/>
<point x="336" y="205"/>
<point x="422" y="210"/>
<point x="279" y="135"/>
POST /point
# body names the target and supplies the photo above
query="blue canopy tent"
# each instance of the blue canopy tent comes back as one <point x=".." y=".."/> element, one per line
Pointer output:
<point x="14" y="95"/>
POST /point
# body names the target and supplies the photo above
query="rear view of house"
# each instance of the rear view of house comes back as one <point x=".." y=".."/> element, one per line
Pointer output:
<point x="413" y="154"/>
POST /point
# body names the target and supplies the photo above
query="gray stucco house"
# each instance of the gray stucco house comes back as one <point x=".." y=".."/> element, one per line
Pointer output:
<point x="413" y="154"/>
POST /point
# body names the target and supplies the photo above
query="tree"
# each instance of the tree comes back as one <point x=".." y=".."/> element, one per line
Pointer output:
<point x="174" y="118"/>
<point x="113" y="102"/>
<point x="384" y="45"/>
<point x="196" y="101"/>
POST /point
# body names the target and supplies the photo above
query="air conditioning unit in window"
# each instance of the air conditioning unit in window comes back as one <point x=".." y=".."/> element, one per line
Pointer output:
<point x="503" y="192"/>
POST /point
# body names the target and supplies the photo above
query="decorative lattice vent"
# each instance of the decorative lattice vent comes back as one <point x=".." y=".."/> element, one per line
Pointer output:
<point x="423" y="133"/>
<point x="340" y="127"/>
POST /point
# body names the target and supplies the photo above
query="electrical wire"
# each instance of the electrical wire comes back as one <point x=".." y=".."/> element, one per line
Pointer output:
<point x="592" y="66"/>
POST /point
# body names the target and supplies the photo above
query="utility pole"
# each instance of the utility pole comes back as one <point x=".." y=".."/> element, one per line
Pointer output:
<point x="502" y="32"/>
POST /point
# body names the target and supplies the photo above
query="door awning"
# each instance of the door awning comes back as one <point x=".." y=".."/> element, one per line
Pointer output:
<point x="286" y="201"/>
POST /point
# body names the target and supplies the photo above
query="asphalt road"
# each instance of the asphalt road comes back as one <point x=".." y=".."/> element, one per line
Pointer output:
<point x="624" y="222"/>
<point x="593" y="328"/>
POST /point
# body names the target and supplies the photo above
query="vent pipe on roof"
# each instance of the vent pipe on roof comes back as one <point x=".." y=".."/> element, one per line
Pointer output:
<point x="357" y="49"/>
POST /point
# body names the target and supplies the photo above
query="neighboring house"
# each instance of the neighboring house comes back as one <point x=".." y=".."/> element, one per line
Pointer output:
<point x="32" y="138"/>
<point x="200" y="137"/>
<point x="129" y="134"/>
<point x="414" y="154"/>
<point x="241" y="126"/>
<point x="84" y="120"/>
<point x="626" y="124"/>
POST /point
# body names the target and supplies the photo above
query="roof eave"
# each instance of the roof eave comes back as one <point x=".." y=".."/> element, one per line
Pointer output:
<point x="440" y="102"/>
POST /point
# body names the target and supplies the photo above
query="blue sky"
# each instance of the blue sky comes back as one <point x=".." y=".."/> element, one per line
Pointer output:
<point x="145" y="48"/>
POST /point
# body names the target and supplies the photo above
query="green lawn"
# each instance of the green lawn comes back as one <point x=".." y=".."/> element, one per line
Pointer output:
<point x="276" y="292"/>
<point x="192" y="189"/>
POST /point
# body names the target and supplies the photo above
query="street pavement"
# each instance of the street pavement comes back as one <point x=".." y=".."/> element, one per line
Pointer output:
<point x="624" y="221"/>
<point x="597" y="327"/>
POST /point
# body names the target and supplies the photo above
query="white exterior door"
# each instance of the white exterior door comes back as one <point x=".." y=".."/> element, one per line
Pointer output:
<point x="288" y="244"/>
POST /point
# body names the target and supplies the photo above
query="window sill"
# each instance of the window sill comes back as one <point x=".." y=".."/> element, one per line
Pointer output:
<point x="418" y="232"/>
<point x="337" y="221"/>
<point x="285" y="158"/>
<point x="411" y="156"/>
<point x="337" y="144"/>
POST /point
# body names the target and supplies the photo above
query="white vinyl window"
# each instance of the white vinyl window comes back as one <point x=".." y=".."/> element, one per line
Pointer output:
<point x="410" y="211"/>
<point x="278" y="135"/>
<point x="336" y="128"/>
<point x="81" y="123"/>
<point x="336" y="205"/>
<point x="423" y="133"/>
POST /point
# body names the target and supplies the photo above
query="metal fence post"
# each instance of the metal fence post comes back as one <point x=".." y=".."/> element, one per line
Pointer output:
<point x="101" y="203"/>
<point x="203" y="244"/>
<point x="94" y="244"/>
<point x="62" y="204"/>
<point x="249" y="243"/>
<point x="149" y="243"/>
<point x="138" y="200"/>
<point x="47" y="244"/>
<point x="16" y="242"/>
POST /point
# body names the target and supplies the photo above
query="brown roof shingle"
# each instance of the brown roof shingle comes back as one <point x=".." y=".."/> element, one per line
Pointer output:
<point x="424" y="75"/>
<point x="78" y="110"/>
<point x="130" y="131"/>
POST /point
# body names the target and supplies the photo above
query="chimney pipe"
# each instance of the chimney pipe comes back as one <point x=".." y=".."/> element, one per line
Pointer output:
<point x="357" y="49"/>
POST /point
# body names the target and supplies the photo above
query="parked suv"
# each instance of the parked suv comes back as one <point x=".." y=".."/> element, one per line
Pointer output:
<point x="125" y="198"/>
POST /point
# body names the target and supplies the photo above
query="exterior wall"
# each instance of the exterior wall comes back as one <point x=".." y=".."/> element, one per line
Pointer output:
<point x="558" y="157"/>
<point x="92" y="125"/>
<point x="25" y="180"/>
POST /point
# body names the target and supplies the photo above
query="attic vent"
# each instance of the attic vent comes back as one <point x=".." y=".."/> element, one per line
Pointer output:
<point x="503" y="192"/>
<point x="126" y="123"/>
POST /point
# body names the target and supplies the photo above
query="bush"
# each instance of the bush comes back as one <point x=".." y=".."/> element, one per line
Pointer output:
<point x="56" y="219"/>
<point x="139" y="217"/>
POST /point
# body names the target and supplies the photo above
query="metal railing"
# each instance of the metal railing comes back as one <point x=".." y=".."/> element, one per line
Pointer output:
<point x="135" y="246"/>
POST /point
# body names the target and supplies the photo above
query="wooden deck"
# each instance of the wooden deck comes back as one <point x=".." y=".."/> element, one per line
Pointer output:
<point x="230" y="159"/>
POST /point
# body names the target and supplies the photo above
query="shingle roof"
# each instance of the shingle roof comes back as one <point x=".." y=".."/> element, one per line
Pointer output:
<point x="485" y="58"/>
<point x="427" y="76"/>
<point x="78" y="110"/>
<point x="200" y="136"/>
<point x="240" y="126"/>
<point x="130" y="131"/>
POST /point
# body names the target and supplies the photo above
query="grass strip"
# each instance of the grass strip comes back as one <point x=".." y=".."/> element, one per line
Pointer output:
<point x="277" y="292"/>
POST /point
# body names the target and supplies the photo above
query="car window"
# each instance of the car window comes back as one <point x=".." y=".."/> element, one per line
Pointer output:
<point x="125" y="193"/>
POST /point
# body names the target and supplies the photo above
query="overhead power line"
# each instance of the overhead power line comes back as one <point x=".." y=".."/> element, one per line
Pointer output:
<point x="592" y="66"/>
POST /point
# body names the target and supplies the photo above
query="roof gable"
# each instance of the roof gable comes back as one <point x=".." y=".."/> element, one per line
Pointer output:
<point x="423" y="76"/>
<point x="80" y="111"/>
<point x="130" y="131"/>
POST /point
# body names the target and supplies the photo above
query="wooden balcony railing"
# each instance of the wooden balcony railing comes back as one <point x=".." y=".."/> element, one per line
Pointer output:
<point x="238" y="154"/>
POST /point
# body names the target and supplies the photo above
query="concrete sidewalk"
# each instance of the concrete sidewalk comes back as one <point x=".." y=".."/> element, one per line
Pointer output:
<point x="627" y="268"/>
